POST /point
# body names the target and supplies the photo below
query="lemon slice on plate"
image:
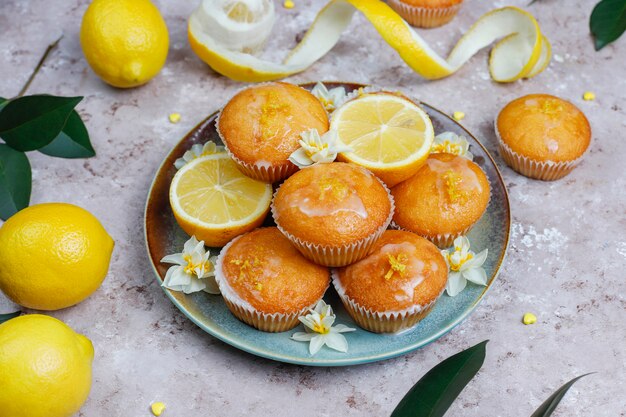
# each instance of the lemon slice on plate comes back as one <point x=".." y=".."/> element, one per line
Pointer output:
<point x="389" y="135"/>
<point x="213" y="201"/>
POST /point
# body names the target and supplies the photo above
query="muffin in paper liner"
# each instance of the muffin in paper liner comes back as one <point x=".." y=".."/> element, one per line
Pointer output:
<point x="424" y="17"/>
<point x="445" y="240"/>
<point x="336" y="256"/>
<point x="442" y="241"/>
<point x="260" y="170"/>
<point x="267" y="322"/>
<point x="382" y="321"/>
<point x="539" y="170"/>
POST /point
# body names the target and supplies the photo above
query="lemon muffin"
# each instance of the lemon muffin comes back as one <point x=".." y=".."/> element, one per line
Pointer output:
<point x="333" y="213"/>
<point x="396" y="285"/>
<point x="265" y="281"/>
<point x="261" y="127"/>
<point x="426" y="13"/>
<point x="446" y="197"/>
<point x="542" y="136"/>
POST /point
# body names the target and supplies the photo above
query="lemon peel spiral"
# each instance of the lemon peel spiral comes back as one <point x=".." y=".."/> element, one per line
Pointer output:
<point x="521" y="50"/>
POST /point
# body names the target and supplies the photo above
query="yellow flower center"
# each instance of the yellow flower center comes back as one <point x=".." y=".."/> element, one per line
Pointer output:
<point x="397" y="264"/>
<point x="191" y="267"/>
<point x="317" y="148"/>
<point x="447" y="147"/>
<point x="320" y="328"/>
<point x="456" y="266"/>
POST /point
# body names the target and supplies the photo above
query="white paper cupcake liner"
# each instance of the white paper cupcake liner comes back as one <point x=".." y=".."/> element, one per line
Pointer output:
<point x="540" y="170"/>
<point x="244" y="311"/>
<point x="424" y="17"/>
<point x="442" y="240"/>
<point x="382" y="321"/>
<point x="335" y="256"/>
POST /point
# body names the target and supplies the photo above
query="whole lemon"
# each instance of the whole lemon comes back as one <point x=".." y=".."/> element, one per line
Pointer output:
<point x="124" y="41"/>
<point x="52" y="256"/>
<point x="45" y="368"/>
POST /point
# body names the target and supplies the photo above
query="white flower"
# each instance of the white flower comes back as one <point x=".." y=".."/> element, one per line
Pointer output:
<point x="317" y="149"/>
<point x="197" y="151"/>
<point x="464" y="266"/>
<point x="193" y="270"/>
<point x="450" y="142"/>
<point x="330" y="99"/>
<point x="320" y="330"/>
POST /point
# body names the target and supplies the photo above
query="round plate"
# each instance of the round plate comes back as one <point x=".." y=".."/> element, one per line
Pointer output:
<point x="163" y="236"/>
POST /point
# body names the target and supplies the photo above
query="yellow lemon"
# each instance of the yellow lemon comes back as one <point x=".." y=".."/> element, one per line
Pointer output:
<point x="389" y="135"/>
<point x="124" y="41"/>
<point x="45" y="368"/>
<point x="52" y="256"/>
<point x="213" y="201"/>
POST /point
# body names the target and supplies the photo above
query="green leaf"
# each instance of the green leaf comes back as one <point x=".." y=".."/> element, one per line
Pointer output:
<point x="31" y="122"/>
<point x="15" y="181"/>
<point x="3" y="102"/>
<point x="432" y="395"/>
<point x="9" y="316"/>
<point x="607" y="22"/>
<point x="547" y="408"/>
<point x="72" y="142"/>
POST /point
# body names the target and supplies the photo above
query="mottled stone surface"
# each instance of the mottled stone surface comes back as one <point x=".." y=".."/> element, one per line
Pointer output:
<point x="566" y="260"/>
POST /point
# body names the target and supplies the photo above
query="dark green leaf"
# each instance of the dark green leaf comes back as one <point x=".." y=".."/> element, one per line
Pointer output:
<point x="72" y="142"/>
<point x="432" y="395"/>
<point x="9" y="316"/>
<point x="31" y="122"/>
<point x="15" y="181"/>
<point x="546" y="409"/>
<point x="3" y="102"/>
<point x="607" y="22"/>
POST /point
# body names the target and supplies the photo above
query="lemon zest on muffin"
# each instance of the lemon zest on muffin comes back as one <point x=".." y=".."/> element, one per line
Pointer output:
<point x="245" y="267"/>
<point x="551" y="107"/>
<point x="270" y="109"/>
<point x="453" y="181"/>
<point x="396" y="264"/>
<point x="336" y="188"/>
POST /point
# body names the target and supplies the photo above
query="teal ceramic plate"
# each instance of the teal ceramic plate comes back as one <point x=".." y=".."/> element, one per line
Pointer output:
<point x="163" y="236"/>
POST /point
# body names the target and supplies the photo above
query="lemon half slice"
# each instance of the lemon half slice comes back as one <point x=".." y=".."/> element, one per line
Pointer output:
<point x="389" y="135"/>
<point x="213" y="201"/>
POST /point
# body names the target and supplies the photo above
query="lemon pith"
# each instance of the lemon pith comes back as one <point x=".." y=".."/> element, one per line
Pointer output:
<point x="45" y="367"/>
<point x="125" y="42"/>
<point x="214" y="201"/>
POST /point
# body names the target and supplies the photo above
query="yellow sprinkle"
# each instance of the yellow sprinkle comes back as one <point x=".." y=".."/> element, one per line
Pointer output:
<point x="157" y="408"/>
<point x="288" y="4"/>
<point x="589" y="96"/>
<point x="174" y="117"/>
<point x="529" y="318"/>
<point x="458" y="115"/>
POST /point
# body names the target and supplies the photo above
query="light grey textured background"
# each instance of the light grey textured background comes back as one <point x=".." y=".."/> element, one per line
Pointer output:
<point x="566" y="261"/>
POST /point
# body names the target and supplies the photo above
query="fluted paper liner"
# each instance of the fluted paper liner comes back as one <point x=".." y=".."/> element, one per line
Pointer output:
<point x="441" y="240"/>
<point x="244" y="311"/>
<point x="382" y="321"/>
<point x="336" y="256"/>
<point x="424" y="17"/>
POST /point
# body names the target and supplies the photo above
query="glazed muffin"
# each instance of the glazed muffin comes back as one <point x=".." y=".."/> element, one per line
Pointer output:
<point x="395" y="286"/>
<point x="542" y="136"/>
<point x="266" y="282"/>
<point x="426" y="13"/>
<point x="333" y="213"/>
<point x="261" y="127"/>
<point x="446" y="197"/>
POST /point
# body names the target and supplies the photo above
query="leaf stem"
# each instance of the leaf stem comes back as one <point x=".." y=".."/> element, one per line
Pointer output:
<point x="39" y="65"/>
